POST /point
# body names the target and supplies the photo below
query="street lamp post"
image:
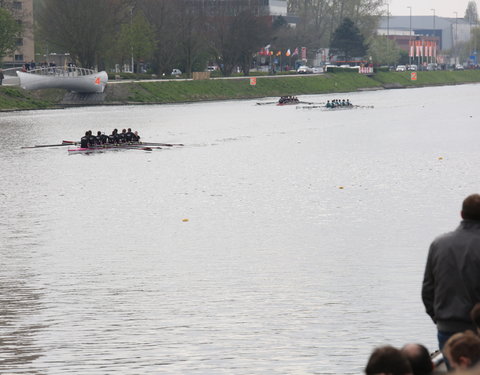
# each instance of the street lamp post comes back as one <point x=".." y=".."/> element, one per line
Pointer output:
<point x="455" y="38"/>
<point x="410" y="38"/>
<point x="434" y="32"/>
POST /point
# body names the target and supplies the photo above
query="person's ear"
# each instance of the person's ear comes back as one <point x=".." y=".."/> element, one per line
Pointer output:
<point x="464" y="362"/>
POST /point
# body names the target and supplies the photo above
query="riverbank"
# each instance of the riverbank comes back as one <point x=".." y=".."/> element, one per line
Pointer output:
<point x="161" y="92"/>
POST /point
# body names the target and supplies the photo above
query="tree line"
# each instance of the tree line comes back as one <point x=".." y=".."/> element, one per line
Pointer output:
<point x="190" y="34"/>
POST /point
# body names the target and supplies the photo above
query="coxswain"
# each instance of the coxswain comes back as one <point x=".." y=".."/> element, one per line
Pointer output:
<point x="84" y="140"/>
<point x="328" y="105"/>
<point x="136" y="137"/>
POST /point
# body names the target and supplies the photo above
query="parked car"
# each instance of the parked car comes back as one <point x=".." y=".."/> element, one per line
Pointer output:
<point x="304" y="69"/>
<point x="412" y="67"/>
<point x="432" y="66"/>
<point x="176" y="72"/>
<point x="401" y="68"/>
<point x="211" y="68"/>
<point x="459" y="67"/>
<point x="317" y="69"/>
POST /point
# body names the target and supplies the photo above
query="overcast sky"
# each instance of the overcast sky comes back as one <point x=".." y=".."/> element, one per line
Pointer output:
<point x="443" y="8"/>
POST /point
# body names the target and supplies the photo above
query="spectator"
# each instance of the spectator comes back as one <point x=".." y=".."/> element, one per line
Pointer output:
<point x="419" y="359"/>
<point x="388" y="360"/>
<point x="451" y="284"/>
<point x="463" y="350"/>
<point x="475" y="316"/>
<point x="1" y="76"/>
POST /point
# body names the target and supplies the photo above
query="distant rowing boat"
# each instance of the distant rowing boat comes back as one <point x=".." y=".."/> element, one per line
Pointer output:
<point x="337" y="108"/>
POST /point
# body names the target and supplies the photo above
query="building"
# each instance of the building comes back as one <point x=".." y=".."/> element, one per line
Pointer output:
<point x="22" y="11"/>
<point x="447" y="31"/>
<point x="273" y="8"/>
<point x="277" y="7"/>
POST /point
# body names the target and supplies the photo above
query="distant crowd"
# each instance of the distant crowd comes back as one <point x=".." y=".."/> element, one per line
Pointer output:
<point x="451" y="296"/>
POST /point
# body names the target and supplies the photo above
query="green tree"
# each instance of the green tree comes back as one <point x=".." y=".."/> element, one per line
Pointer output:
<point x="471" y="13"/>
<point x="383" y="51"/>
<point x="348" y="41"/>
<point x="9" y="32"/>
<point x="136" y="39"/>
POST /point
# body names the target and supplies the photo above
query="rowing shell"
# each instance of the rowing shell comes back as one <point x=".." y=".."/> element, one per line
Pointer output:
<point x="86" y="150"/>
<point x="339" y="108"/>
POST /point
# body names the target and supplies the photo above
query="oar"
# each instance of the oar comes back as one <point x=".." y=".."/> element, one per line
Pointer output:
<point x="161" y="144"/>
<point x="38" y="146"/>
<point x="267" y="103"/>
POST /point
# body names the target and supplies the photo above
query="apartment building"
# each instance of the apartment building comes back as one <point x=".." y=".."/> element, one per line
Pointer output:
<point x="22" y="11"/>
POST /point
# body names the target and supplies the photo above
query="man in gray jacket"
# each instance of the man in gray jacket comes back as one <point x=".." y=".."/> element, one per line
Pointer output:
<point x="451" y="284"/>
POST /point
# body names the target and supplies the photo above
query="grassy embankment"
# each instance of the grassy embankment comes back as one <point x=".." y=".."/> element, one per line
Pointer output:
<point x="216" y="89"/>
<point x="172" y="92"/>
<point x="15" y="98"/>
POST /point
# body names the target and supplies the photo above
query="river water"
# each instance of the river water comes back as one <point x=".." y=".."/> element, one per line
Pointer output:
<point x="278" y="240"/>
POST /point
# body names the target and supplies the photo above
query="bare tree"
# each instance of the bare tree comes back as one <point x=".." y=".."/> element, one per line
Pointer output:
<point x="235" y="31"/>
<point x="83" y="28"/>
<point x="471" y="13"/>
<point x="160" y="14"/>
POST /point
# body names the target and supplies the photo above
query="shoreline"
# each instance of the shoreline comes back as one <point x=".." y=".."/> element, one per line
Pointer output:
<point x="146" y="92"/>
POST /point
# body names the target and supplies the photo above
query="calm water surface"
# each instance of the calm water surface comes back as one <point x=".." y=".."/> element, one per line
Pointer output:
<point x="276" y="241"/>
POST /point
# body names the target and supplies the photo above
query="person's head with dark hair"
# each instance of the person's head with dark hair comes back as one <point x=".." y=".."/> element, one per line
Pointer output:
<point x="463" y="350"/>
<point x="419" y="359"/>
<point x="471" y="207"/>
<point x="388" y="360"/>
<point x="475" y="316"/>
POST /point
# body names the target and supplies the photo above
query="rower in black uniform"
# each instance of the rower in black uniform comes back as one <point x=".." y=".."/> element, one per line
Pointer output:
<point x="122" y="136"/>
<point x="101" y="138"/>
<point x="92" y="140"/>
<point x="129" y="135"/>
<point x="84" y="141"/>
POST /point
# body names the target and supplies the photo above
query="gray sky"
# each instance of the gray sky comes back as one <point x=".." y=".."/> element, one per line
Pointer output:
<point x="443" y="8"/>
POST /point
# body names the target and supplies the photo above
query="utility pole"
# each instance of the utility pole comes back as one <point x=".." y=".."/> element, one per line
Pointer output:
<point x="455" y="38"/>
<point x="434" y="33"/>
<point x="410" y="39"/>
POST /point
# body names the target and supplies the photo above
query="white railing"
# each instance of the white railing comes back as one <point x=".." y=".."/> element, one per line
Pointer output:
<point x="60" y="71"/>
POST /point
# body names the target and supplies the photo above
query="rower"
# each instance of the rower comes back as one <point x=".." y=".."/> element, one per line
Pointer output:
<point x="129" y="135"/>
<point x="84" y="141"/>
<point x="92" y="140"/>
<point x="122" y="136"/>
<point x="112" y="138"/>
<point x="101" y="138"/>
